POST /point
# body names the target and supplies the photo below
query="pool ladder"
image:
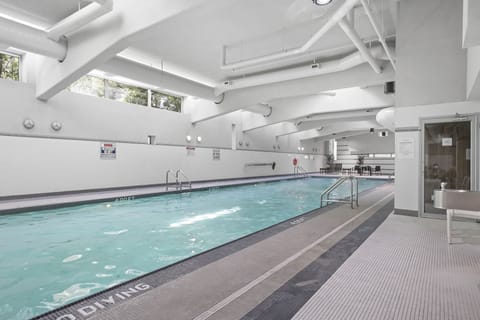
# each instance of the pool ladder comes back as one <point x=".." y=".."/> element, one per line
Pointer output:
<point x="300" y="170"/>
<point x="325" y="196"/>
<point x="181" y="179"/>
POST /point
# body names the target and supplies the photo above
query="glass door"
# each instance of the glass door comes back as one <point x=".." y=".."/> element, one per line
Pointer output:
<point x="447" y="157"/>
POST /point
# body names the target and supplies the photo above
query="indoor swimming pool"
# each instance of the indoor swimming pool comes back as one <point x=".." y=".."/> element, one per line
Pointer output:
<point x="53" y="257"/>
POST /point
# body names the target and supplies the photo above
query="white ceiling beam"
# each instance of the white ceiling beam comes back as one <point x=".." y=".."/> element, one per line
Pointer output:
<point x="322" y="124"/>
<point x="338" y="130"/>
<point x="349" y="99"/>
<point x="242" y="98"/>
<point x="102" y="39"/>
<point x="471" y="23"/>
<point x="157" y="78"/>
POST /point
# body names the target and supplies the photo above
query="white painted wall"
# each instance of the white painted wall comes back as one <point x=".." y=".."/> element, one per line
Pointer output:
<point x="42" y="160"/>
<point x="430" y="59"/>
<point x="38" y="165"/>
<point x="473" y="73"/>
<point x="371" y="143"/>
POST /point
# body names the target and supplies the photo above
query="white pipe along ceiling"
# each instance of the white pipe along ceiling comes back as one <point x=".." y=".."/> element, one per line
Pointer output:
<point x="313" y="70"/>
<point x="50" y="43"/>
<point x="334" y="19"/>
<point x="26" y="38"/>
<point x="80" y="18"/>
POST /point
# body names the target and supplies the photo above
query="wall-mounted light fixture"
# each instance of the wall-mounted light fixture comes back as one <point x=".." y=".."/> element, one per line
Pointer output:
<point x="57" y="126"/>
<point x="28" y="124"/>
<point x="247" y="143"/>
<point x="240" y="143"/>
<point x="372" y="130"/>
<point x="199" y="139"/>
<point x="188" y="138"/>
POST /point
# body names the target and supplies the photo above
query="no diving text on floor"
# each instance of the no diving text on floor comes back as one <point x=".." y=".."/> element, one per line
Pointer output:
<point x="104" y="303"/>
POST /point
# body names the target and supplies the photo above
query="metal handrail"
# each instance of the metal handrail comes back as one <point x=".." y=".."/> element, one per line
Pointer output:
<point x="325" y="195"/>
<point x="300" y="170"/>
<point x="179" y="182"/>
<point x="166" y="178"/>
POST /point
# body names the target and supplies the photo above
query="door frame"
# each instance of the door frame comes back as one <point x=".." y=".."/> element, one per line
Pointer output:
<point x="474" y="156"/>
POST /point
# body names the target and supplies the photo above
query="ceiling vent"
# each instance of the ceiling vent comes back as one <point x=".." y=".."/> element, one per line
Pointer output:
<point x="389" y="87"/>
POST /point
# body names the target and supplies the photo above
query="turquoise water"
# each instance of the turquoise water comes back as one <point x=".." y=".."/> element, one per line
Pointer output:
<point x="53" y="257"/>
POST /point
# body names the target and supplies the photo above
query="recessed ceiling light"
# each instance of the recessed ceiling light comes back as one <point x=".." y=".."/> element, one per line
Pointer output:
<point x="321" y="2"/>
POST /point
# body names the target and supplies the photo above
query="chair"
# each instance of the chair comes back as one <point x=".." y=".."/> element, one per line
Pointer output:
<point x="378" y="170"/>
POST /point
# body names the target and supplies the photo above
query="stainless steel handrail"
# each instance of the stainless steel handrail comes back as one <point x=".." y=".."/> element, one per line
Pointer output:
<point x="300" y="170"/>
<point x="166" y="178"/>
<point x="325" y="195"/>
<point x="179" y="182"/>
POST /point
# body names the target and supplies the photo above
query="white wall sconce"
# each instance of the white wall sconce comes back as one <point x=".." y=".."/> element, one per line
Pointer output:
<point x="57" y="126"/>
<point x="199" y="139"/>
<point x="240" y="143"/>
<point x="28" y="124"/>
<point x="188" y="138"/>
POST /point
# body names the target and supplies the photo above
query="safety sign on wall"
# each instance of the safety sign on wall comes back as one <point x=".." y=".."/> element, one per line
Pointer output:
<point x="108" y="151"/>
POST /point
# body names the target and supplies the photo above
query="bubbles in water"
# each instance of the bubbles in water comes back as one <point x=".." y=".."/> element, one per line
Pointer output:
<point x="75" y="257"/>
<point x="109" y="267"/>
<point x="134" y="272"/>
<point x="262" y="202"/>
<point x="88" y="249"/>
<point x="94" y="262"/>
<point x="74" y="292"/>
<point x="103" y="275"/>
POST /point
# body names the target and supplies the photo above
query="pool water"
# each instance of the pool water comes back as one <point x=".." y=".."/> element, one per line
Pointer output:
<point x="53" y="257"/>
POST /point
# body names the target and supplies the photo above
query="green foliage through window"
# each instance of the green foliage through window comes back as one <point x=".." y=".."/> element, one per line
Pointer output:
<point x="89" y="85"/>
<point x="164" y="101"/>
<point x="95" y="86"/>
<point x="9" y="67"/>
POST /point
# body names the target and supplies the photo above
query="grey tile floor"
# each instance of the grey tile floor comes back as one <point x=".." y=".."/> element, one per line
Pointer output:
<point x="405" y="270"/>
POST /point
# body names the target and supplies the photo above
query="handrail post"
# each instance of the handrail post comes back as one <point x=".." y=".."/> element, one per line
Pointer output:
<point x="351" y="192"/>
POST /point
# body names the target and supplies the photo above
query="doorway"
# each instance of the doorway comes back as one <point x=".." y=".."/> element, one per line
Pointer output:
<point x="448" y="157"/>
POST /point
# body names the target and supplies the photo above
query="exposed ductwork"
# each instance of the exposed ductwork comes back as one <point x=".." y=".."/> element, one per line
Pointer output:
<point x="263" y="109"/>
<point x="20" y="36"/>
<point x="334" y="19"/>
<point x="353" y="35"/>
<point x="386" y="118"/>
<point x="313" y="70"/>
<point x="381" y="38"/>
<point x="80" y="18"/>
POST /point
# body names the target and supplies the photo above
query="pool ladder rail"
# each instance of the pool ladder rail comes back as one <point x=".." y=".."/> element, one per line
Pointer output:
<point x="353" y="200"/>
<point x="181" y="179"/>
<point x="299" y="170"/>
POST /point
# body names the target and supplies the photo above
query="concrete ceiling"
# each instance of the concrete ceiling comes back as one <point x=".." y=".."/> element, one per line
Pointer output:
<point x="192" y="43"/>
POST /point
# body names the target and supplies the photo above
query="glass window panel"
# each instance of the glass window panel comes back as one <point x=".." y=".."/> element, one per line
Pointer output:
<point x="167" y="102"/>
<point x="125" y="93"/>
<point x="9" y="67"/>
<point x="89" y="85"/>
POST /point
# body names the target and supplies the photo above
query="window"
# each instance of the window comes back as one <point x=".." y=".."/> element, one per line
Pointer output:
<point x="9" y="66"/>
<point x="89" y="85"/>
<point x="104" y="88"/>
<point x="165" y="101"/>
<point x="125" y="93"/>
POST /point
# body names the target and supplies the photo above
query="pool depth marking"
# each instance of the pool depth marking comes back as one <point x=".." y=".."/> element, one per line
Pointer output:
<point x="102" y="303"/>
<point x="237" y="294"/>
